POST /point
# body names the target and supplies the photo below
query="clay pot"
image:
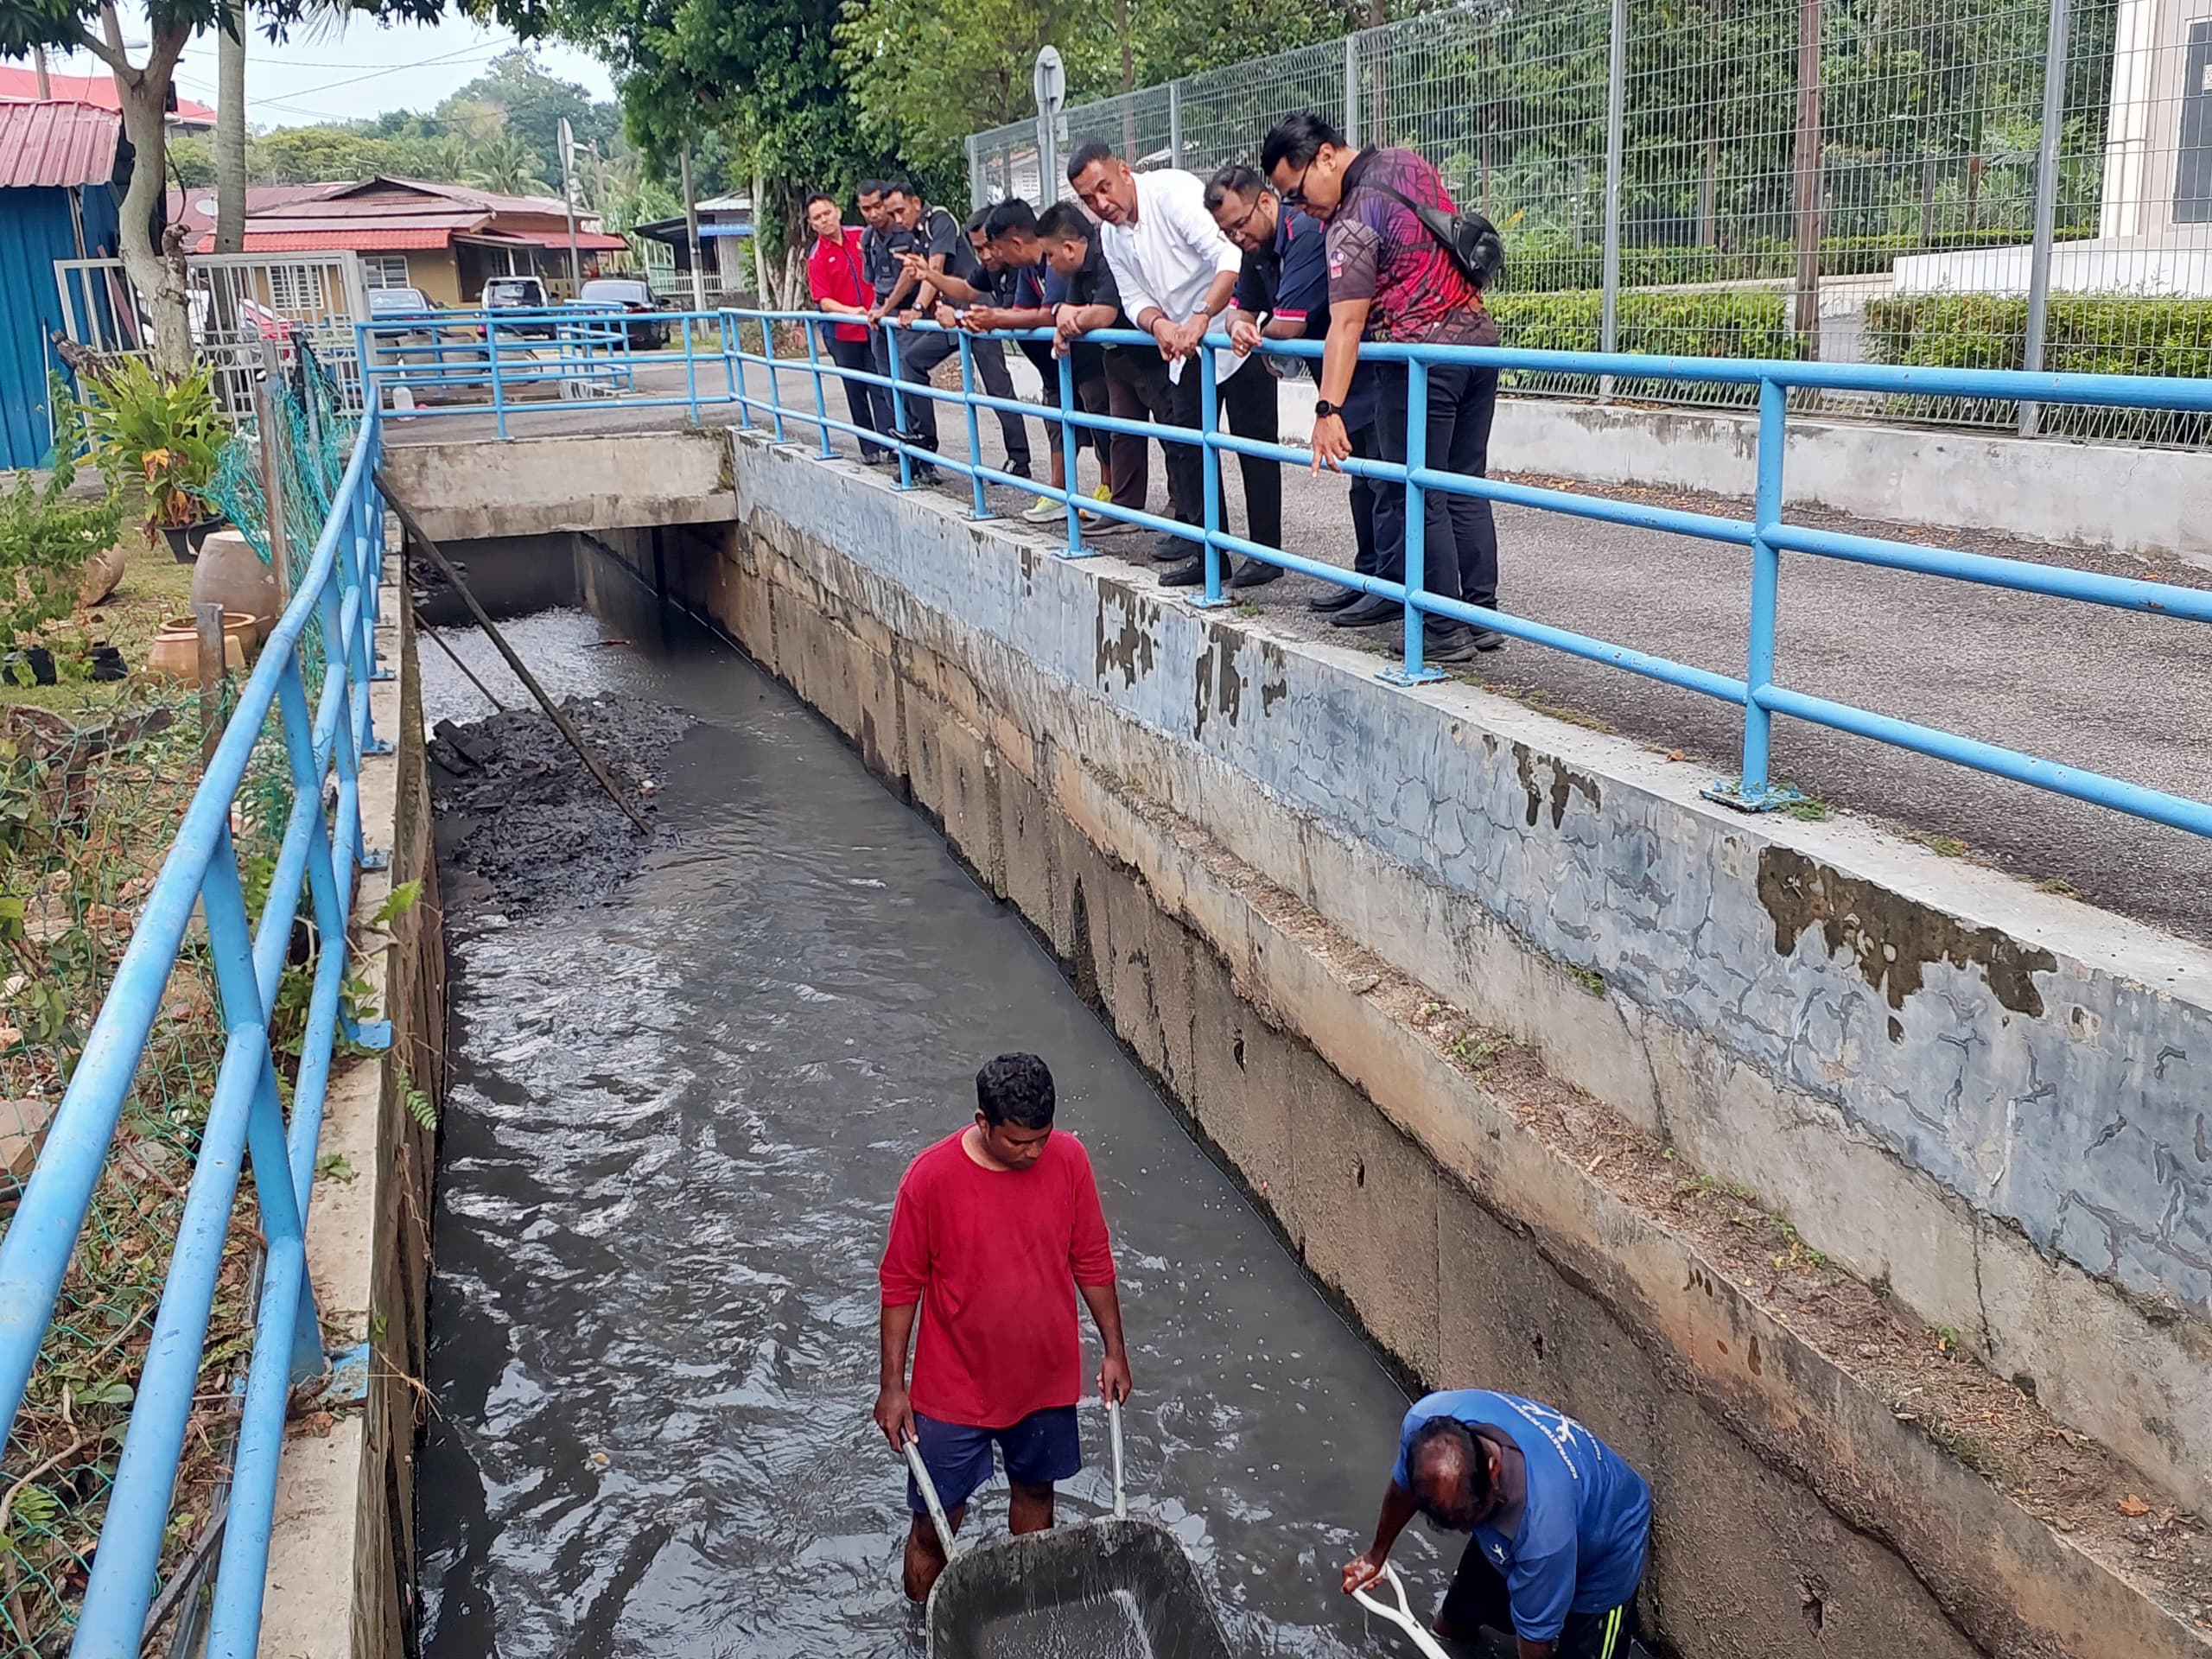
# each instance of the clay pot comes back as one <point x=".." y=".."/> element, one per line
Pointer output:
<point x="175" y="653"/>
<point x="101" y="572"/>
<point x="230" y="573"/>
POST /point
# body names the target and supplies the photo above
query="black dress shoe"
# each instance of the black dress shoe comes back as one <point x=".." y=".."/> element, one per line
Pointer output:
<point x="1372" y="612"/>
<point x="1191" y="573"/>
<point x="1453" y="645"/>
<point x="1254" y="573"/>
<point x="1172" y="549"/>
<point x="1334" y="599"/>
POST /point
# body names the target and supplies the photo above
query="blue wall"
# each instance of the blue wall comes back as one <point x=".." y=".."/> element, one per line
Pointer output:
<point x="34" y="232"/>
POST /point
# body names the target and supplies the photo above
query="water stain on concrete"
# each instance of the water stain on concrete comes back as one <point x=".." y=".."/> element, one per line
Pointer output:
<point x="1565" y="782"/>
<point x="1893" y="940"/>
<point x="1218" y="684"/>
<point x="1132" y="644"/>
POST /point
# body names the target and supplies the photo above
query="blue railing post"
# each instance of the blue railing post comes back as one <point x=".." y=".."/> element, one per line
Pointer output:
<point x="499" y="388"/>
<point x="733" y="350"/>
<point x="898" y="405"/>
<point x="821" y="407"/>
<point x="775" y="386"/>
<point x="1751" y="792"/>
<point x="966" y="344"/>
<point x="690" y="371"/>
<point x="1070" y="468"/>
<point x="1416" y="561"/>
<point x="1210" y="475"/>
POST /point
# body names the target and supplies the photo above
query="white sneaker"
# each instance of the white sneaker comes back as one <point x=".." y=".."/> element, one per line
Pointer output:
<point x="1045" y="512"/>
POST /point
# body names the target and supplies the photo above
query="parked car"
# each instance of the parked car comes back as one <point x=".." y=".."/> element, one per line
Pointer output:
<point x="387" y="303"/>
<point x="519" y="293"/>
<point x="649" y="332"/>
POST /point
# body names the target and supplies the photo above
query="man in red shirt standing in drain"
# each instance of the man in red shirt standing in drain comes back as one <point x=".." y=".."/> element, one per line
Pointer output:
<point x="996" y="1231"/>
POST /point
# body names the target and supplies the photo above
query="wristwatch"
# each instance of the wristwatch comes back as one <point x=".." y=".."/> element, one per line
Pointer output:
<point x="1323" y="406"/>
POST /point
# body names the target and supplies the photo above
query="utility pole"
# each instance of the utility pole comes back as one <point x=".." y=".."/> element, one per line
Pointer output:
<point x="45" y="83"/>
<point x="1808" y="312"/>
<point x="568" y="201"/>
<point x="2054" y="117"/>
<point x="692" y="230"/>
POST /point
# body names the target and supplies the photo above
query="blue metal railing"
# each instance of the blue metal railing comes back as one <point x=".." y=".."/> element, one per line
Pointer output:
<point x="246" y="1124"/>
<point x="1766" y="535"/>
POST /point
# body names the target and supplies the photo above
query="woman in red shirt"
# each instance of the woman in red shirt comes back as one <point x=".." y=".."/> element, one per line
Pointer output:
<point x="996" y="1231"/>
<point x="833" y="277"/>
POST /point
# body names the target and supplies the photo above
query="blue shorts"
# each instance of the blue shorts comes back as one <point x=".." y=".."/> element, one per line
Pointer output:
<point x="1041" y="1448"/>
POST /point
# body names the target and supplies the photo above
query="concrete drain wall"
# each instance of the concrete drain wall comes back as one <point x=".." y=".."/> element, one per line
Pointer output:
<point x="1485" y="1217"/>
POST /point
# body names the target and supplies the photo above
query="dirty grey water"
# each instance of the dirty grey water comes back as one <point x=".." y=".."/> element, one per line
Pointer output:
<point x="677" y="1119"/>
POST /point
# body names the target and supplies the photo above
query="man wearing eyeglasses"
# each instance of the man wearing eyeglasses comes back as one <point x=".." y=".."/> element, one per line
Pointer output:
<point x="1283" y="293"/>
<point x="1392" y="279"/>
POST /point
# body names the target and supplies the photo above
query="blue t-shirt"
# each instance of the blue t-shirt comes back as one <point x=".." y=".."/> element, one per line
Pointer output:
<point x="1579" y="1547"/>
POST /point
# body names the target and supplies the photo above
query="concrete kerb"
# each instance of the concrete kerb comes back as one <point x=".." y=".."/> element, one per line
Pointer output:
<point x="337" y="1584"/>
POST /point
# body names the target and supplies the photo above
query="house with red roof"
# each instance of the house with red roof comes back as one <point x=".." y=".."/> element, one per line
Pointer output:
<point x="19" y="85"/>
<point x="446" y="240"/>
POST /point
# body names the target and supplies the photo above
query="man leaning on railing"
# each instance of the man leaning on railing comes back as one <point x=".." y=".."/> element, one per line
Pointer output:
<point x="1175" y="270"/>
<point x="1392" y="278"/>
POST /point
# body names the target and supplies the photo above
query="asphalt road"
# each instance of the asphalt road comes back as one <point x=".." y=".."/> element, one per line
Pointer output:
<point x="2121" y="693"/>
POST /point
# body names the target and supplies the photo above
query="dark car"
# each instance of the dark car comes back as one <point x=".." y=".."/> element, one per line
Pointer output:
<point x="519" y="293"/>
<point x="627" y="294"/>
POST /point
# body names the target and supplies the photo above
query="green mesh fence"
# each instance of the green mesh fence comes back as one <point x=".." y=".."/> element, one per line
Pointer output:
<point x="316" y="431"/>
<point x="88" y="804"/>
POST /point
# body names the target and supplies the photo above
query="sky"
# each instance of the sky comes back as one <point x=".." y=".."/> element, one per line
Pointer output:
<point x="365" y="71"/>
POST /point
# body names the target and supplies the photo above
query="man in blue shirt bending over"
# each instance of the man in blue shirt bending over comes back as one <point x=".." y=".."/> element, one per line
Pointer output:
<point x="1559" y="1521"/>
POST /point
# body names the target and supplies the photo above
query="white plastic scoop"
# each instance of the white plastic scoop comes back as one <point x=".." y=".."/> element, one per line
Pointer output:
<point x="1403" y="1614"/>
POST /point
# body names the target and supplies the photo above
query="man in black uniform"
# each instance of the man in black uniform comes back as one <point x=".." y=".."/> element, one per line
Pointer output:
<point x="879" y="270"/>
<point x="966" y="277"/>
<point x="1283" y="293"/>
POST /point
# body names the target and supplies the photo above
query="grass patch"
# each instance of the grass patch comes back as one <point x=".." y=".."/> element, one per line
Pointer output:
<point x="154" y="589"/>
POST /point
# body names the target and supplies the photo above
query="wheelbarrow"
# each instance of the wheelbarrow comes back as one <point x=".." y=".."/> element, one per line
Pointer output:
<point x="1115" y="1587"/>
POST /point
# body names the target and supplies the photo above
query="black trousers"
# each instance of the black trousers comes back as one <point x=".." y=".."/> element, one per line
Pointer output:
<point x="1251" y="400"/>
<point x="1089" y="377"/>
<point x="918" y="355"/>
<point x="862" y="399"/>
<point x="1138" y="389"/>
<point x="996" y="378"/>
<point x="1366" y="500"/>
<point x="1459" y="539"/>
<point x="1477" y="1598"/>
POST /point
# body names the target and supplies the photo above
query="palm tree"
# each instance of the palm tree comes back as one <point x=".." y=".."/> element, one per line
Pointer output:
<point x="507" y="166"/>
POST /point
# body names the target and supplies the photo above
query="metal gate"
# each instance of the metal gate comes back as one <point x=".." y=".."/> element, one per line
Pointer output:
<point x="237" y="303"/>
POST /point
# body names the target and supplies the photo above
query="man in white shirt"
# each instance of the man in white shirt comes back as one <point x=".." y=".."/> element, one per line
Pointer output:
<point x="1176" y="272"/>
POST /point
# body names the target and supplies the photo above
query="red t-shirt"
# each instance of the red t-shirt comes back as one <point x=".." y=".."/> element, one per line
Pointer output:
<point x="833" y="272"/>
<point x="994" y="1257"/>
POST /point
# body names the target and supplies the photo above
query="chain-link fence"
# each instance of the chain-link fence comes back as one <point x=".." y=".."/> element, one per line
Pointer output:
<point x="89" y="805"/>
<point x="1854" y="180"/>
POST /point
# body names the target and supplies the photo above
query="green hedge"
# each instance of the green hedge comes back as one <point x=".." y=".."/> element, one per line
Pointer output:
<point x="1741" y="324"/>
<point x="2086" y="334"/>
<point x="1541" y="264"/>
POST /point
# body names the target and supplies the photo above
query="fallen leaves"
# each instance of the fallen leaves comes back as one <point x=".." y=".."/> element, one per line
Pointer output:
<point x="2132" y="1507"/>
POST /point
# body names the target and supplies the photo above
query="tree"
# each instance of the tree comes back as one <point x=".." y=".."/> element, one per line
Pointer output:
<point x="314" y="155"/>
<point x="506" y="165"/>
<point x="976" y="74"/>
<point x="763" y="76"/>
<point x="531" y="105"/>
<point x="142" y="91"/>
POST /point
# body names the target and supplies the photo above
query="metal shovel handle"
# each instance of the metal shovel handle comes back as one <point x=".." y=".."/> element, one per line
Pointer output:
<point x="1403" y="1614"/>
<point x="1121" y="1490"/>
<point x="921" y="1473"/>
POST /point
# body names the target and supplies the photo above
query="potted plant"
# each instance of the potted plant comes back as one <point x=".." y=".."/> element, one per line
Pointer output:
<point x="47" y="535"/>
<point x="163" y="435"/>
